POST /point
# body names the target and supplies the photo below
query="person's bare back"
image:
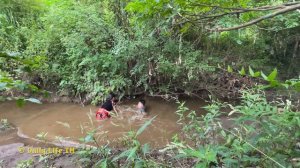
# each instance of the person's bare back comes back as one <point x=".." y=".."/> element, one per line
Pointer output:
<point x="141" y="106"/>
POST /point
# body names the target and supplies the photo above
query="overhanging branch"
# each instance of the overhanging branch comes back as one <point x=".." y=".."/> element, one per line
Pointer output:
<point x="262" y="8"/>
<point x="278" y="12"/>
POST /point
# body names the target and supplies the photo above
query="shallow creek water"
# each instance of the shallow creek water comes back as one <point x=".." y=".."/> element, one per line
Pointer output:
<point x="72" y="121"/>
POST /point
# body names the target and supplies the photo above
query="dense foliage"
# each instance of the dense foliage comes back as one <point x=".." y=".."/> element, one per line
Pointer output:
<point x="258" y="133"/>
<point x="89" y="48"/>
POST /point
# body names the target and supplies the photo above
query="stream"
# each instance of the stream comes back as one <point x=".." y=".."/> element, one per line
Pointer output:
<point x="65" y="123"/>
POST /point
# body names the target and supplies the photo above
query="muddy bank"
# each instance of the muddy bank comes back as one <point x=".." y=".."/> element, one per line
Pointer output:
<point x="16" y="154"/>
<point x="12" y="156"/>
<point x="19" y="151"/>
<point x="36" y="154"/>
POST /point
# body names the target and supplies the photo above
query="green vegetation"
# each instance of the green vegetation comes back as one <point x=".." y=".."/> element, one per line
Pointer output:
<point x="88" y="48"/>
<point x="4" y="124"/>
<point x="259" y="133"/>
<point x="272" y="82"/>
<point x="25" y="163"/>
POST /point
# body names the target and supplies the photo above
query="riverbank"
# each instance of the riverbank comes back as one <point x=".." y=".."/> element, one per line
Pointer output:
<point x="14" y="153"/>
<point x="20" y="155"/>
<point x="61" y="119"/>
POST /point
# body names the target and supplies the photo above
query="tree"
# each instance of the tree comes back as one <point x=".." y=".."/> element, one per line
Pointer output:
<point x="210" y="14"/>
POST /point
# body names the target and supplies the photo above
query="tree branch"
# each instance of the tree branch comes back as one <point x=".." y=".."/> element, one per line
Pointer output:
<point x="241" y="10"/>
<point x="262" y="8"/>
<point x="278" y="12"/>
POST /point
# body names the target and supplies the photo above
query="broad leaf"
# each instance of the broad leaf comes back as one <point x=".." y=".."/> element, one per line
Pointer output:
<point x="229" y="69"/>
<point x="132" y="153"/>
<point x="256" y="74"/>
<point x="251" y="72"/>
<point x="272" y="75"/>
<point x="242" y="71"/>
<point x="264" y="76"/>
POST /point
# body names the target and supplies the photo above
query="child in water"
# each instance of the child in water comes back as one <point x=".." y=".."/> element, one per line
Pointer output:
<point x="141" y="106"/>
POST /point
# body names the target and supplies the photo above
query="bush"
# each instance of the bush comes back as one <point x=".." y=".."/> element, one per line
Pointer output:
<point x="261" y="133"/>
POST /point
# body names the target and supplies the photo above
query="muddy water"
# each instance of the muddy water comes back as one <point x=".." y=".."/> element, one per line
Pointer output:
<point x="72" y="121"/>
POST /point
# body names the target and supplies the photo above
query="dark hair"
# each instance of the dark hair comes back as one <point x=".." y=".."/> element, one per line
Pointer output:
<point x="143" y="101"/>
<point x="111" y="96"/>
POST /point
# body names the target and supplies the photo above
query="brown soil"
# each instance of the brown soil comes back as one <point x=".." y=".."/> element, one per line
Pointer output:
<point x="10" y="156"/>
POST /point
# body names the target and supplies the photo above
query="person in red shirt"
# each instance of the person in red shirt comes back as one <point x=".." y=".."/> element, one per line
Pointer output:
<point x="103" y="111"/>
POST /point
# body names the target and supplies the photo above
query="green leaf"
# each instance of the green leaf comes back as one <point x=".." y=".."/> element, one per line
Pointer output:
<point x="89" y="138"/>
<point x="256" y="74"/>
<point x="146" y="148"/>
<point x="274" y="83"/>
<point x="264" y="76"/>
<point x="251" y="71"/>
<point x="194" y="153"/>
<point x="272" y="75"/>
<point x="251" y="159"/>
<point x="242" y="71"/>
<point x="146" y="124"/>
<point x="102" y="163"/>
<point x="132" y="153"/>
<point x="123" y="154"/>
<point x="229" y="69"/>
<point x="223" y="133"/>
<point x="139" y="164"/>
<point x="229" y="162"/>
<point x="296" y="86"/>
<point x="211" y="156"/>
<point x="81" y="139"/>
<point x="185" y="28"/>
<point x="20" y="102"/>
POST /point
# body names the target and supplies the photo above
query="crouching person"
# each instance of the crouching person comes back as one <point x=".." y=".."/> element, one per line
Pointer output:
<point x="103" y="111"/>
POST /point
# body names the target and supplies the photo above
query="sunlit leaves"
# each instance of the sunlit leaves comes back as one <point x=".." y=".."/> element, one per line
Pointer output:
<point x="229" y="69"/>
<point x="272" y="75"/>
<point x="242" y="71"/>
